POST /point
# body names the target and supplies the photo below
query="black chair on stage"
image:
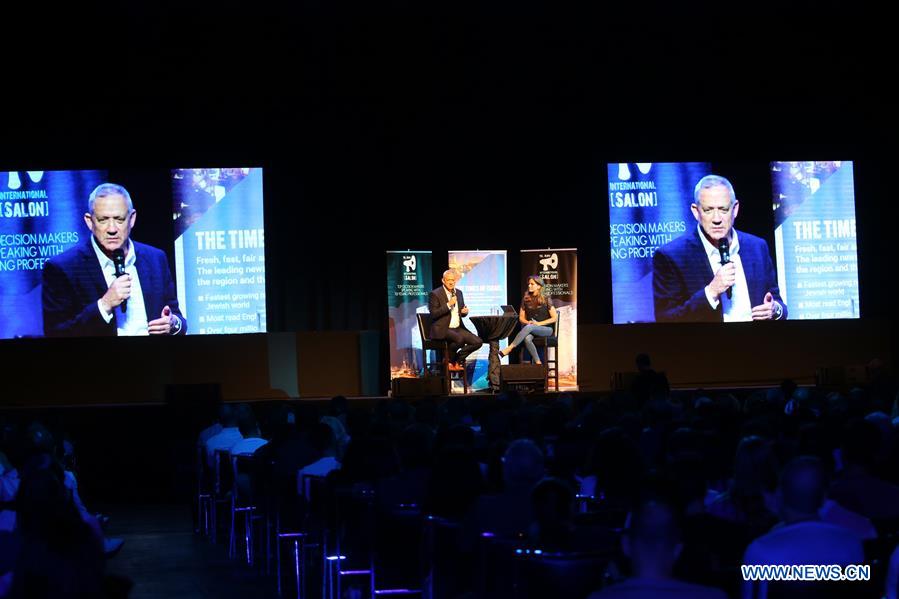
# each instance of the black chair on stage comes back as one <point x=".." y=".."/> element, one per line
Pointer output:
<point x="549" y="365"/>
<point x="441" y="345"/>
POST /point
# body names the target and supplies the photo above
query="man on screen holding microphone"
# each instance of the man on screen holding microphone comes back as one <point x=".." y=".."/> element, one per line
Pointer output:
<point x="715" y="273"/>
<point x="110" y="285"/>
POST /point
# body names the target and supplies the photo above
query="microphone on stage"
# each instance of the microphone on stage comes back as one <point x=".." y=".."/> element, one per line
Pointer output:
<point x="724" y="250"/>
<point x="118" y="258"/>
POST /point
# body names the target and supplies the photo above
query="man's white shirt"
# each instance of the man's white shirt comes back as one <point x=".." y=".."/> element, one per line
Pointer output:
<point x="454" y="311"/>
<point x="737" y="308"/>
<point x="133" y="321"/>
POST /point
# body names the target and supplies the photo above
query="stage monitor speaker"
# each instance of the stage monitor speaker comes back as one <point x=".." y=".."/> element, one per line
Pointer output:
<point x="420" y="387"/>
<point x="524" y="378"/>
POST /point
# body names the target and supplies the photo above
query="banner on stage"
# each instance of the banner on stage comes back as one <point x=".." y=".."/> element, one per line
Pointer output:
<point x="482" y="279"/>
<point x="558" y="269"/>
<point x="409" y="281"/>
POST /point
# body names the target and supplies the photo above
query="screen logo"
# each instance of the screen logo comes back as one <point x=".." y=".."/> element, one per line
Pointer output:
<point x="15" y="181"/>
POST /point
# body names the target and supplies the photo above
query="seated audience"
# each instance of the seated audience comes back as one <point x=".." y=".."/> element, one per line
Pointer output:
<point x="652" y="542"/>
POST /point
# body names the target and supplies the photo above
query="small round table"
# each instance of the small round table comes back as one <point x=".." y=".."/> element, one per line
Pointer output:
<point x="492" y="329"/>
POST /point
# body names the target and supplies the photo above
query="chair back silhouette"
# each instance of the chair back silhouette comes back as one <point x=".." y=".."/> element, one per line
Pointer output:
<point x="244" y="485"/>
<point x="205" y="489"/>
<point x="558" y="574"/>
<point x="448" y="568"/>
<point x="222" y="481"/>
<point x="397" y="562"/>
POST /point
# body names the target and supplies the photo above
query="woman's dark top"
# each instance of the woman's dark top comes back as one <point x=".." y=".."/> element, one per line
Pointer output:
<point x="537" y="312"/>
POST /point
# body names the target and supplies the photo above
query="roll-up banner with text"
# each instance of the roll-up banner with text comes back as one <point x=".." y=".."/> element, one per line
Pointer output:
<point x="558" y="269"/>
<point x="482" y="279"/>
<point x="408" y="286"/>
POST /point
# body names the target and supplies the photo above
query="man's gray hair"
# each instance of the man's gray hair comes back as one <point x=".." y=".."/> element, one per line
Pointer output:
<point x="710" y="181"/>
<point x="108" y="189"/>
<point x="450" y="271"/>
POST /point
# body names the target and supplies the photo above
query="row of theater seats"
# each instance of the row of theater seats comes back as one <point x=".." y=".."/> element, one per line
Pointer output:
<point x="335" y="537"/>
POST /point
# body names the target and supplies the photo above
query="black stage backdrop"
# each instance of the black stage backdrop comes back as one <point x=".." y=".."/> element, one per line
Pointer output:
<point x="384" y="130"/>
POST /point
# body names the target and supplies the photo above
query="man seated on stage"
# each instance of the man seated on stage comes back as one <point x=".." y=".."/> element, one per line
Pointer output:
<point x="715" y="273"/>
<point x="108" y="284"/>
<point x="447" y="307"/>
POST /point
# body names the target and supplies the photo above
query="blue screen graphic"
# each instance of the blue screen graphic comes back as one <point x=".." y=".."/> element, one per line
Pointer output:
<point x="815" y="237"/>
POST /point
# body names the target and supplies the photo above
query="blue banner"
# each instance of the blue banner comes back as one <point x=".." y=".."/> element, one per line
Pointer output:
<point x="41" y="216"/>
<point x="815" y="238"/>
<point x="649" y="205"/>
<point x="482" y="279"/>
<point x="408" y="286"/>
<point x="220" y="249"/>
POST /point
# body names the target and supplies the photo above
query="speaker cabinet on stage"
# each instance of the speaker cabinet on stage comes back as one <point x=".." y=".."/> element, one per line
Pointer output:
<point x="420" y="387"/>
<point x="524" y="378"/>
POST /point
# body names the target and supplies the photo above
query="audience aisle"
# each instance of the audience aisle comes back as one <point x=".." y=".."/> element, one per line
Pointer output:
<point x="163" y="558"/>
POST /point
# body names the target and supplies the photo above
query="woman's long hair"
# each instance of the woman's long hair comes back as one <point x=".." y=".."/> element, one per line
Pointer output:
<point x="532" y="301"/>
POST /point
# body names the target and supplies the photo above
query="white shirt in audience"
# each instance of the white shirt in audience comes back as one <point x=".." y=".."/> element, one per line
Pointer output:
<point x="247" y="446"/>
<point x="318" y="468"/>
<point x="224" y="440"/>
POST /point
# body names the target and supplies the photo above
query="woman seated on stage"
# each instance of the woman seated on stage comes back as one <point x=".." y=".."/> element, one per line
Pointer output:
<point x="537" y="314"/>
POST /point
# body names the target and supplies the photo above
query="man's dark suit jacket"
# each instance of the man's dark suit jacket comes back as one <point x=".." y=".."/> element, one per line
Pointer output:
<point x="681" y="270"/>
<point x="441" y="313"/>
<point x="73" y="282"/>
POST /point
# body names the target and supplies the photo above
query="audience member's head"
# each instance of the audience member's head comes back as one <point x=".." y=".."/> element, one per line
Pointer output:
<point x="415" y="446"/>
<point x="803" y="486"/>
<point x="522" y="464"/>
<point x="455" y="482"/>
<point x="755" y="468"/>
<point x="643" y="362"/>
<point x="59" y="554"/>
<point x="687" y="472"/>
<point x="553" y="502"/>
<point x="337" y="407"/>
<point x="340" y="434"/>
<point x="45" y="510"/>
<point x="860" y="443"/>
<point x="615" y="461"/>
<point x="652" y="539"/>
<point x="228" y="416"/>
<point x="815" y="440"/>
<point x="323" y="441"/>
<point x="247" y="423"/>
